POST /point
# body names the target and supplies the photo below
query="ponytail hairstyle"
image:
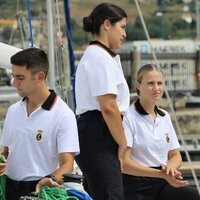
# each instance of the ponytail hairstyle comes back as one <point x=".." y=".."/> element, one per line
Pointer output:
<point x="100" y="13"/>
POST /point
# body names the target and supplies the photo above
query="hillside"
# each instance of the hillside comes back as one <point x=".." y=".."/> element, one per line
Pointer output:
<point x="79" y="8"/>
<point x="163" y="21"/>
<point x="163" y="25"/>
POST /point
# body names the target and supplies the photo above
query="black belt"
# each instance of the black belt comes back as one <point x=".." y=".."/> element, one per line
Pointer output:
<point x="89" y="113"/>
<point x="21" y="184"/>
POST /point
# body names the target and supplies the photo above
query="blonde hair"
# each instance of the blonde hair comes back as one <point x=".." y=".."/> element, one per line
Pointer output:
<point x="143" y="70"/>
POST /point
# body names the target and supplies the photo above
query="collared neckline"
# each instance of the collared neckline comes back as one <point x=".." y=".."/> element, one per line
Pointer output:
<point x="112" y="53"/>
<point x="141" y="110"/>
<point x="50" y="101"/>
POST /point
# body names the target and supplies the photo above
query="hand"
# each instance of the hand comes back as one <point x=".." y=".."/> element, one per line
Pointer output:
<point x="3" y="166"/>
<point x="121" y="153"/>
<point x="176" y="182"/>
<point x="170" y="170"/>
<point x="48" y="182"/>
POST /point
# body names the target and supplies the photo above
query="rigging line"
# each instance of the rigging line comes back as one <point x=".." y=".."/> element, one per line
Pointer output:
<point x="12" y="32"/>
<point x="62" y="70"/>
<point x="14" y="25"/>
<point x="30" y="25"/>
<point x="17" y="6"/>
<point x="18" y="21"/>
<point x="71" y="55"/>
<point x="21" y="29"/>
<point x="168" y="97"/>
<point x="58" y="20"/>
<point x="60" y="52"/>
<point x="57" y="58"/>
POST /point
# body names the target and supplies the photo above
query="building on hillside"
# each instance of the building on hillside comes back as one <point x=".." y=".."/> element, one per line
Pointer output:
<point x="178" y="60"/>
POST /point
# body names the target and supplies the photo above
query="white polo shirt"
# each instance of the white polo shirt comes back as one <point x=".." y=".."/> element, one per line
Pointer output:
<point x="35" y="141"/>
<point x="150" y="140"/>
<point x="99" y="73"/>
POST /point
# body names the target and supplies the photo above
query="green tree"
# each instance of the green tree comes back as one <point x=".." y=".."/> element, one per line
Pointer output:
<point x="158" y="27"/>
<point x="168" y="2"/>
<point x="180" y="29"/>
<point x="135" y="31"/>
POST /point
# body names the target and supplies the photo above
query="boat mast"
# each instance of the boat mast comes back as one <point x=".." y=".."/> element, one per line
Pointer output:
<point x="51" y="49"/>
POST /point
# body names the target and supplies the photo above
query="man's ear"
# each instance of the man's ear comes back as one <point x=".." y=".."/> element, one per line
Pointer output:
<point x="41" y="75"/>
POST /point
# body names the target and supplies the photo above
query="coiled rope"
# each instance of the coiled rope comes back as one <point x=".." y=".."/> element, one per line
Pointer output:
<point x="2" y="182"/>
<point x="54" y="193"/>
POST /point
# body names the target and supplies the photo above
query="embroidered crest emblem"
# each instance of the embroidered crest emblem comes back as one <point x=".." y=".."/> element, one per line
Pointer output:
<point x="167" y="137"/>
<point x="39" y="135"/>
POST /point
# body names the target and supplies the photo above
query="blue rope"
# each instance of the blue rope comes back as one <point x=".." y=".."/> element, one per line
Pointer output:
<point x="76" y="193"/>
<point x="30" y="26"/>
<point x="70" y="47"/>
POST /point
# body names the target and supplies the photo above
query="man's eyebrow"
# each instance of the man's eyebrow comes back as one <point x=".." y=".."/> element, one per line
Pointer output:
<point x="18" y="75"/>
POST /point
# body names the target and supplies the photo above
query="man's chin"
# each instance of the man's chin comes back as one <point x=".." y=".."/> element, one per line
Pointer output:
<point x="21" y="95"/>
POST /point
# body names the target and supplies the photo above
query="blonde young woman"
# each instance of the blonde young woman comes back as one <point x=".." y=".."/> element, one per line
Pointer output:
<point x="152" y="161"/>
<point x="102" y="98"/>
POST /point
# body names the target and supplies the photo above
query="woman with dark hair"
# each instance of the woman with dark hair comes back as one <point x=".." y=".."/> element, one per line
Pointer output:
<point x="102" y="98"/>
<point x="152" y="160"/>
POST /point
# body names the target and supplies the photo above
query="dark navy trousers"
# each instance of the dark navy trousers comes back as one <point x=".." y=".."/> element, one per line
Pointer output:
<point x="145" y="188"/>
<point x="16" y="189"/>
<point x="98" y="158"/>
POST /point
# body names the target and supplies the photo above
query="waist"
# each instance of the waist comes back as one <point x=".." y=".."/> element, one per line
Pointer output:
<point x="21" y="184"/>
<point x="88" y="114"/>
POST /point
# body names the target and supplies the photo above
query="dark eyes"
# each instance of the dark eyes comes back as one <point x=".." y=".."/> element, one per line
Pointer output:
<point x="18" y="78"/>
<point x="124" y="27"/>
<point x="153" y="83"/>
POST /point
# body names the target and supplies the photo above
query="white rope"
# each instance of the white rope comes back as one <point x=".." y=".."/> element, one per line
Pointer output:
<point x="20" y="23"/>
<point x="14" y="25"/>
<point x="58" y="21"/>
<point x="60" y="52"/>
<point x="12" y="32"/>
<point x="168" y="98"/>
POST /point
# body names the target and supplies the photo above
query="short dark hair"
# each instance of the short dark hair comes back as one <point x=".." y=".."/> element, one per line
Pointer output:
<point x="33" y="58"/>
<point x="100" y="13"/>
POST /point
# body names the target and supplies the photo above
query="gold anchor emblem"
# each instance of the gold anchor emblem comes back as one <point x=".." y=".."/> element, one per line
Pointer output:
<point x="167" y="137"/>
<point x="39" y="135"/>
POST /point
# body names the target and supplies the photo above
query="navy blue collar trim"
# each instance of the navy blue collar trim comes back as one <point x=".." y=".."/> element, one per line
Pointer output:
<point x="112" y="53"/>
<point x="141" y="110"/>
<point x="47" y="105"/>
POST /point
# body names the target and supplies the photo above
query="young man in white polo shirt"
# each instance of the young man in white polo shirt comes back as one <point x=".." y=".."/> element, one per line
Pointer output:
<point x="40" y="136"/>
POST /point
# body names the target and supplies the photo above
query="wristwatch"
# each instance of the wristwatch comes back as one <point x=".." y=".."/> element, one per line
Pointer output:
<point x="52" y="177"/>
